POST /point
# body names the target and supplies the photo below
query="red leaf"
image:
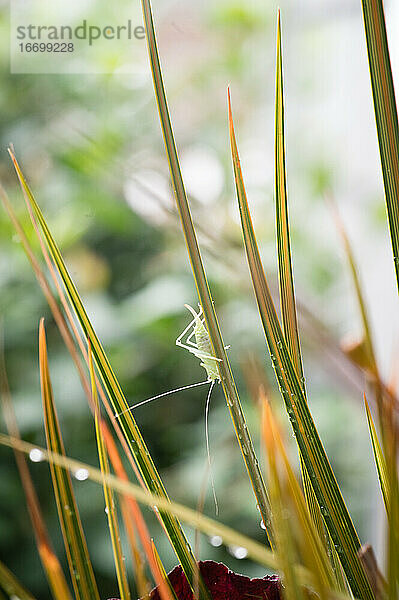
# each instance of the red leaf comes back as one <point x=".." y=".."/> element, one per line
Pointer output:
<point x="224" y="584"/>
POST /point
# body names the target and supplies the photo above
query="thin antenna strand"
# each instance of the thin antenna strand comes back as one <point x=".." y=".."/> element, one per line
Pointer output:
<point x="180" y="389"/>
<point x="208" y="400"/>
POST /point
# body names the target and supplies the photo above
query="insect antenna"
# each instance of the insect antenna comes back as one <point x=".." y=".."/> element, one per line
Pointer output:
<point x="179" y="389"/>
<point x="208" y="400"/>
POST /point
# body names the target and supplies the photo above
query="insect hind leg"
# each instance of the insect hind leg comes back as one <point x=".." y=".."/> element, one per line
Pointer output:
<point x="183" y="333"/>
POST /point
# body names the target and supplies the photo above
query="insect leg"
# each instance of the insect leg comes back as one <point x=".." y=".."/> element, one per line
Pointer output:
<point x="181" y="336"/>
<point x="188" y="340"/>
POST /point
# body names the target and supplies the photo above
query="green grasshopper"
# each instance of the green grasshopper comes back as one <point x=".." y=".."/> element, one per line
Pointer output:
<point x="202" y="349"/>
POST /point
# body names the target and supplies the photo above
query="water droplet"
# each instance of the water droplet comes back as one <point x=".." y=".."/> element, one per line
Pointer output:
<point x="238" y="552"/>
<point x="216" y="541"/>
<point x="36" y="455"/>
<point x="81" y="474"/>
<point x="262" y="525"/>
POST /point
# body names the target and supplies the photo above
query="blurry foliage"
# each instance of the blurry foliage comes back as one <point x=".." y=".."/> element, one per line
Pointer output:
<point x="84" y="141"/>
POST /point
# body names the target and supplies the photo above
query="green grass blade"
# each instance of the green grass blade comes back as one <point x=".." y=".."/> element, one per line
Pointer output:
<point x="12" y="586"/>
<point x="325" y="486"/>
<point x="67" y="337"/>
<point x="286" y="279"/>
<point x="164" y="574"/>
<point x="386" y="464"/>
<point x="108" y="494"/>
<point x="256" y="551"/>
<point x="60" y="320"/>
<point x="204" y="294"/>
<point x="379" y="457"/>
<point x="386" y="115"/>
<point x="80" y="567"/>
<point x="393" y="522"/>
<point x="127" y="423"/>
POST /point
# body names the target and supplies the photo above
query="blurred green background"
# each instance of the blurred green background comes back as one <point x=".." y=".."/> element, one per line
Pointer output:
<point x="92" y="150"/>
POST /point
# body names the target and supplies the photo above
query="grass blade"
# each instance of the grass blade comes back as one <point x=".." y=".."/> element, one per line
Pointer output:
<point x="67" y="337"/>
<point x="80" y="567"/>
<point x="286" y="279"/>
<point x="12" y="586"/>
<point x="139" y="522"/>
<point x="379" y="457"/>
<point x="50" y="562"/>
<point x="310" y="540"/>
<point x="328" y="494"/>
<point x="164" y="574"/>
<point x="368" y="340"/>
<point x="256" y="551"/>
<point x="204" y="294"/>
<point x="140" y="578"/>
<point x="61" y="322"/>
<point x="386" y="115"/>
<point x="108" y="494"/>
<point x="284" y="540"/>
<point x="128" y="425"/>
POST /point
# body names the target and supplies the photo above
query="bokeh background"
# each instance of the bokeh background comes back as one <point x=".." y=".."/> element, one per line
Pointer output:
<point x="92" y="149"/>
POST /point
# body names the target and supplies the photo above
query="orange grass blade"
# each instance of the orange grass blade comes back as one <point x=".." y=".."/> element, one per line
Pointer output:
<point x="50" y="562"/>
<point x="313" y="544"/>
<point x="79" y="562"/>
<point x="139" y="522"/>
<point x="284" y="540"/>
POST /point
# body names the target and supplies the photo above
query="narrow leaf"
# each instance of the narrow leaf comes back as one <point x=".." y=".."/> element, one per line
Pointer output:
<point x="12" y="586"/>
<point x="386" y="115"/>
<point x="284" y="540"/>
<point x="79" y="563"/>
<point x="310" y="540"/>
<point x="164" y="574"/>
<point x="50" y="562"/>
<point x="135" y="514"/>
<point x="256" y="551"/>
<point x="108" y="494"/>
<point x="67" y="337"/>
<point x="204" y="294"/>
<point x="128" y="425"/>
<point x="379" y="457"/>
<point x="328" y="494"/>
<point x="286" y="279"/>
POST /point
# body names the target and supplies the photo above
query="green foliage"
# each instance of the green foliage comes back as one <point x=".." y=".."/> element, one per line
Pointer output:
<point x="132" y="279"/>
